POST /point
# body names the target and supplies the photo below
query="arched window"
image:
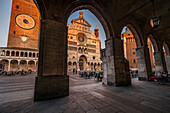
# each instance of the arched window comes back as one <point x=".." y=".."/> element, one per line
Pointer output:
<point x="7" y="53"/>
<point x="17" y="53"/>
<point x="3" y="53"/>
<point x="26" y="54"/>
<point x="22" y="54"/>
<point x="33" y="54"/>
<point x="13" y="53"/>
<point x="30" y="54"/>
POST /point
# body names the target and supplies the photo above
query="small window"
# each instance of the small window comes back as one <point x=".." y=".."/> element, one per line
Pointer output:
<point x="71" y="37"/>
<point x="93" y="57"/>
<point x="73" y="57"/>
<point x="17" y="6"/>
<point x="133" y="48"/>
<point x="128" y="34"/>
<point x="134" y="53"/>
<point x="134" y="61"/>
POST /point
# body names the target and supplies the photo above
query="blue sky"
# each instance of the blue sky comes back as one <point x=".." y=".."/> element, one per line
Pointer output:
<point x="5" y="10"/>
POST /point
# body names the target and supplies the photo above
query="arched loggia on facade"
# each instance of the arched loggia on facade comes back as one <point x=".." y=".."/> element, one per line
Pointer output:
<point x="53" y="59"/>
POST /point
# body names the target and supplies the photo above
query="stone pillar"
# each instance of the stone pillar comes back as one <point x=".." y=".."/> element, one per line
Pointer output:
<point x="35" y="66"/>
<point x="9" y="64"/>
<point x="158" y="61"/>
<point x="19" y="54"/>
<point x="78" y="69"/>
<point x="116" y="65"/>
<point x="5" y="53"/>
<point x="9" y="53"/>
<point x="104" y="80"/>
<point x="18" y="64"/>
<point x="52" y="80"/>
<point x="27" y="65"/>
<point x="168" y="63"/>
<point x="143" y="62"/>
<point x="121" y="65"/>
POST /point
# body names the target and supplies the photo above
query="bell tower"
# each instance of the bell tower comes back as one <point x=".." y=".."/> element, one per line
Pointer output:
<point x="24" y="25"/>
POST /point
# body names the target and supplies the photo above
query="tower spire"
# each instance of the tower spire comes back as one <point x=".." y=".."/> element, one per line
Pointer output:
<point x="96" y="32"/>
<point x="81" y="14"/>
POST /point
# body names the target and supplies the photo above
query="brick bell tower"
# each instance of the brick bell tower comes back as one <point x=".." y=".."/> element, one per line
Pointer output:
<point x="24" y="25"/>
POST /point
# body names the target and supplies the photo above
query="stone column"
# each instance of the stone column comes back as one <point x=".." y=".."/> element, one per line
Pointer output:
<point x="168" y="63"/>
<point x="143" y="62"/>
<point x="19" y="54"/>
<point x="27" y="65"/>
<point x="18" y="64"/>
<point x="78" y="69"/>
<point x="158" y="61"/>
<point x="116" y="65"/>
<point x="5" y="53"/>
<point x="121" y="65"/>
<point x="9" y="64"/>
<point x="35" y="66"/>
<point x="52" y="80"/>
<point x="9" y="53"/>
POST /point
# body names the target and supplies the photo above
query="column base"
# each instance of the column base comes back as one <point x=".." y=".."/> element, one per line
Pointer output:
<point x="51" y="87"/>
<point x="123" y="82"/>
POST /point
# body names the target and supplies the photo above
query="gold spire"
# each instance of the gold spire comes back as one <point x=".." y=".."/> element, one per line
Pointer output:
<point x="81" y="14"/>
<point x="96" y="27"/>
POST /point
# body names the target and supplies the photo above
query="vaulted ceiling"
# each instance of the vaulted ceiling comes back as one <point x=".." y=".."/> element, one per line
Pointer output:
<point x="119" y="11"/>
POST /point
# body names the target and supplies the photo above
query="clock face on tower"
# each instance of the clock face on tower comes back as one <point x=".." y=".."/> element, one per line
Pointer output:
<point x="25" y="21"/>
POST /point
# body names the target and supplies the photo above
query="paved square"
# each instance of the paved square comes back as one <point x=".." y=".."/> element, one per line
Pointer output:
<point x="86" y="96"/>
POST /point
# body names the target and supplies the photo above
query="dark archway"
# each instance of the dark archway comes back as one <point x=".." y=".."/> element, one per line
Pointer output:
<point x="82" y="63"/>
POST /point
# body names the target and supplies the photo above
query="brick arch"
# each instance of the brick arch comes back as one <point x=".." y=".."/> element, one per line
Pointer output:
<point x="96" y="10"/>
<point x="165" y="45"/>
<point x="42" y="8"/>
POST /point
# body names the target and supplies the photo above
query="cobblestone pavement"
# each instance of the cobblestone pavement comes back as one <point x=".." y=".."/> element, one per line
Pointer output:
<point x="86" y="96"/>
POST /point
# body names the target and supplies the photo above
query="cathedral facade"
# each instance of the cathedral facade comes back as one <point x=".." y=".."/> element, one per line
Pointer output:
<point x="83" y="46"/>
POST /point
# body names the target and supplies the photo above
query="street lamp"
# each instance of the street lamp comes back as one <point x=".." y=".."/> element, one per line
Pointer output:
<point x="155" y="21"/>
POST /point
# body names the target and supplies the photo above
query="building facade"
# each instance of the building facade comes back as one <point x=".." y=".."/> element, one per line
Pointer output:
<point x="83" y="46"/>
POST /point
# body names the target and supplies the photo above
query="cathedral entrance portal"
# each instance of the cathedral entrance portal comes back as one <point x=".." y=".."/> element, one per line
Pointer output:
<point x="82" y="63"/>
